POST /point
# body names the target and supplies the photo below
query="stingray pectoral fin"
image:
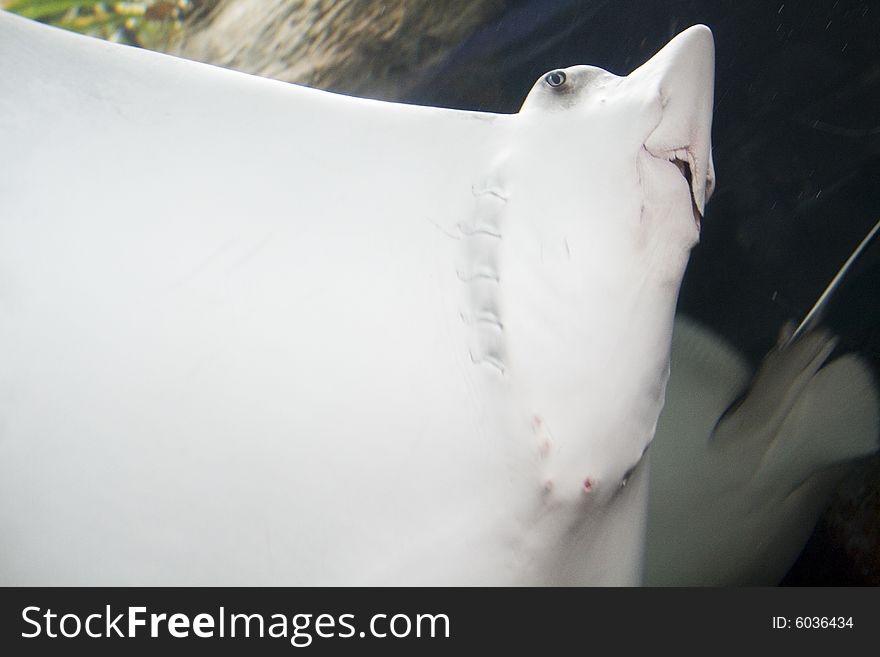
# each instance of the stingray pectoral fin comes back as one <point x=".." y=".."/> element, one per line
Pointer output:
<point x="682" y="73"/>
<point x="835" y="419"/>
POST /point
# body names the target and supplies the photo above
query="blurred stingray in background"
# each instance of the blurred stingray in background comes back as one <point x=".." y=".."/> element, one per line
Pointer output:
<point x="733" y="502"/>
<point x="741" y="465"/>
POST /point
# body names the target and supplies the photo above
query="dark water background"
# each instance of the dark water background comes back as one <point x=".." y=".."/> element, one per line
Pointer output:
<point x="797" y="153"/>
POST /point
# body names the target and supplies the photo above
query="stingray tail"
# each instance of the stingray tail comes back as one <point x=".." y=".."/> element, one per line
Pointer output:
<point x="814" y="316"/>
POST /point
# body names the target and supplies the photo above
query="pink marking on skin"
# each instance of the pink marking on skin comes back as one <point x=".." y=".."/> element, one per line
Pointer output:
<point x="588" y="485"/>
<point x="546" y="446"/>
<point x="536" y="422"/>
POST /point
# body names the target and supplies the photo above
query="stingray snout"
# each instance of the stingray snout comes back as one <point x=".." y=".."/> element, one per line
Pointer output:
<point x="682" y="76"/>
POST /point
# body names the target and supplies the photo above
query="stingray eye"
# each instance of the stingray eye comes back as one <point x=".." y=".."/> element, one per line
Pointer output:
<point x="555" y="78"/>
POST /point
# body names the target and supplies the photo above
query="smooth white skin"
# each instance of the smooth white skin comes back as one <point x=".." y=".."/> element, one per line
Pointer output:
<point x="736" y="489"/>
<point x="254" y="333"/>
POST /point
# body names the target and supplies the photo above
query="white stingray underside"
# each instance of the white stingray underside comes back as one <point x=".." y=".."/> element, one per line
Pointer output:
<point x="253" y="333"/>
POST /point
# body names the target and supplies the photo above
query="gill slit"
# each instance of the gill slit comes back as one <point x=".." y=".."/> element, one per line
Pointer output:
<point x="478" y="270"/>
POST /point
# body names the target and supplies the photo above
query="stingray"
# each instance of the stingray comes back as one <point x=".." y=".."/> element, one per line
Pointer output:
<point x="744" y="462"/>
<point x="255" y="333"/>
